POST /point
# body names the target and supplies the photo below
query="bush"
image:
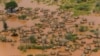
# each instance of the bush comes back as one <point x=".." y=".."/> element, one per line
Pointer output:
<point x="5" y="26"/>
<point x="23" y="17"/>
<point x="22" y="48"/>
<point x="95" y="50"/>
<point x="3" y="39"/>
<point x="32" y="39"/>
<point x="83" y="28"/>
<point x="71" y="37"/>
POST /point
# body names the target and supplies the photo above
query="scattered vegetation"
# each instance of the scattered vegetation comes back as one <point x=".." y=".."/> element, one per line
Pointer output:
<point x="33" y="46"/>
<point x="79" y="7"/>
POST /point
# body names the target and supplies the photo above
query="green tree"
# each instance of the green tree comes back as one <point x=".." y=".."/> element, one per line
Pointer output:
<point x="11" y="5"/>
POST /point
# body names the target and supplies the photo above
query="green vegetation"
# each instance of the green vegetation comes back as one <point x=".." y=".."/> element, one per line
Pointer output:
<point x="96" y="32"/>
<point x="5" y="26"/>
<point x="33" y="46"/>
<point x="79" y="7"/>
<point x="22" y="17"/>
<point x="70" y="36"/>
<point x="80" y="1"/>
<point x="3" y="39"/>
<point x="41" y="55"/>
<point x="39" y="25"/>
<point x="30" y="55"/>
<point x="95" y="50"/>
<point x="83" y="28"/>
<point x="11" y="6"/>
<point x="22" y="48"/>
<point x="32" y="39"/>
<point x="97" y="7"/>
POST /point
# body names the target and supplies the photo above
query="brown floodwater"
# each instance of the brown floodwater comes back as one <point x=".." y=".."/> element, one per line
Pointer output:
<point x="7" y="50"/>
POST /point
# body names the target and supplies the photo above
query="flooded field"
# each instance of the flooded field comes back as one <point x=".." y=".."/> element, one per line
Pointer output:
<point x="39" y="29"/>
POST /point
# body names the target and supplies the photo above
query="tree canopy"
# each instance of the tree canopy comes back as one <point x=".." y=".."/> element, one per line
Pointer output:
<point x="11" y="4"/>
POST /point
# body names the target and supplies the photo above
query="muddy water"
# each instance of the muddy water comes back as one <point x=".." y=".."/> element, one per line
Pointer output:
<point x="7" y="50"/>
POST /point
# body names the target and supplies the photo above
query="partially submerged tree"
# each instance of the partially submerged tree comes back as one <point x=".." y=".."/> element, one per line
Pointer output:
<point x="5" y="26"/>
<point x="10" y="6"/>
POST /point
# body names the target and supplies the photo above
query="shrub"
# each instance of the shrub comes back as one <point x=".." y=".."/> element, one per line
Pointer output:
<point x="95" y="50"/>
<point x="23" y="17"/>
<point x="71" y="37"/>
<point x="22" y="48"/>
<point x="32" y="39"/>
<point x="3" y="39"/>
<point x="83" y="28"/>
<point x="5" y="26"/>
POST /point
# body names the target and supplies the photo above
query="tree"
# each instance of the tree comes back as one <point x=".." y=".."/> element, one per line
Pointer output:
<point x="5" y="25"/>
<point x="10" y="6"/>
